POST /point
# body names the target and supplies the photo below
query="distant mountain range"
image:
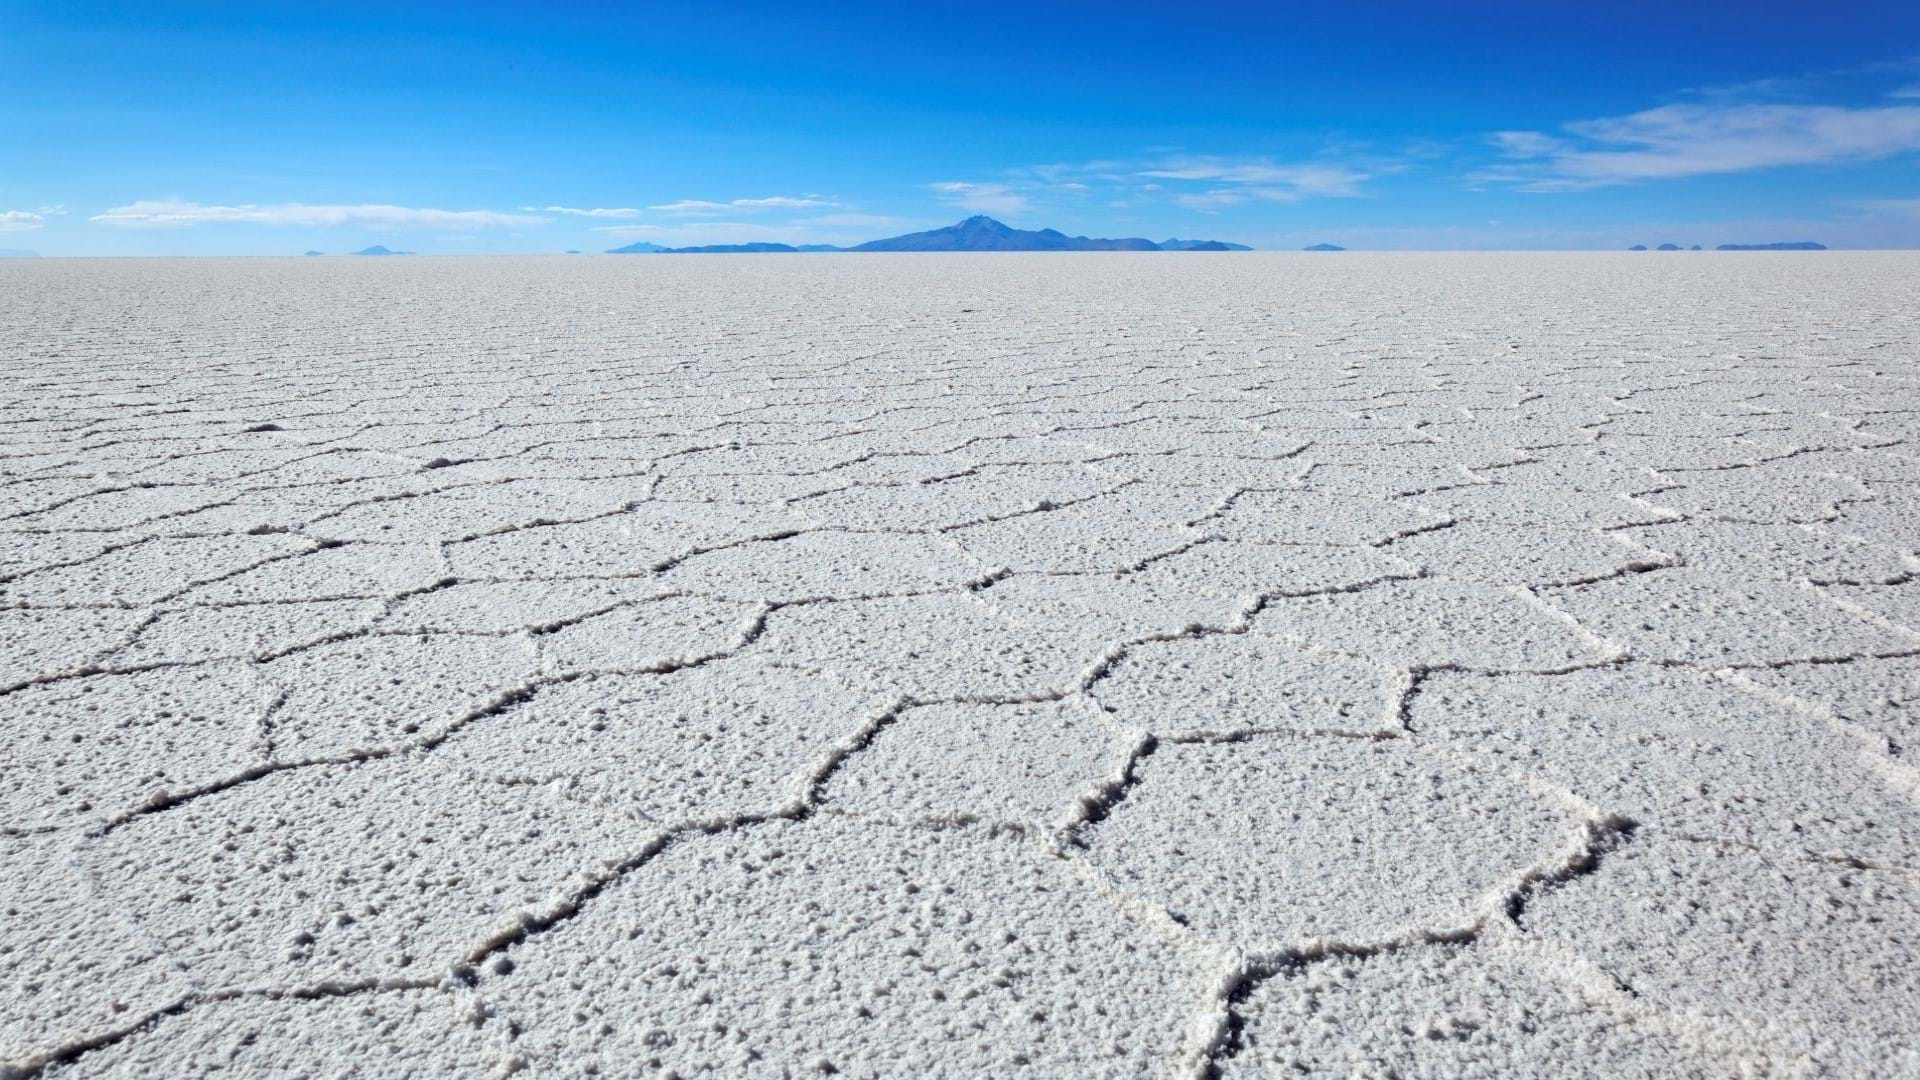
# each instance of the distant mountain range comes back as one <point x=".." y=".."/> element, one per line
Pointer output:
<point x="977" y="233"/>
<point x="1177" y="244"/>
<point x="1797" y="245"/>
<point x="1323" y="247"/>
<point x="982" y="233"/>
<point x="378" y="250"/>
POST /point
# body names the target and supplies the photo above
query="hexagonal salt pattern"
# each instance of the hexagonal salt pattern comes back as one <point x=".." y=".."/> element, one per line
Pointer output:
<point x="864" y="949"/>
<point x="1277" y="841"/>
<point x="1043" y="666"/>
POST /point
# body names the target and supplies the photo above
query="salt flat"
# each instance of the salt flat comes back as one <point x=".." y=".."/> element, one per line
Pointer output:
<point x="969" y="665"/>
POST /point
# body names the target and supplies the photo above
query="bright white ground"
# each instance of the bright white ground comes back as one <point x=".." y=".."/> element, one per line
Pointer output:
<point x="1062" y="666"/>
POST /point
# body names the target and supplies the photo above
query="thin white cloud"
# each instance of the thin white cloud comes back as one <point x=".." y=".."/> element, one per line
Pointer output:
<point x="1512" y="236"/>
<point x="785" y="201"/>
<point x="1769" y="89"/>
<point x="1210" y="202"/>
<point x="1526" y="144"/>
<point x="1905" y="93"/>
<point x="23" y="220"/>
<point x="707" y="207"/>
<point x="164" y="213"/>
<point x="982" y="198"/>
<point x="696" y="207"/>
<point x="593" y="212"/>
<point x="1676" y="141"/>
<point x="1201" y="183"/>
<point x="1264" y="179"/>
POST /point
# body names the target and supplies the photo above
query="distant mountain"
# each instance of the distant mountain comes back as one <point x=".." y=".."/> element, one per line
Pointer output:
<point x="1324" y="247"/>
<point x="1668" y="247"/>
<point x="733" y="249"/>
<point x="378" y="250"/>
<point x="1796" y="245"/>
<point x="760" y="248"/>
<point x="1638" y="247"/>
<point x="978" y="233"/>
<point x="18" y="253"/>
<point x="313" y="253"/>
<point x="1177" y="244"/>
<point x="1695" y="247"/>
<point x="982" y="233"/>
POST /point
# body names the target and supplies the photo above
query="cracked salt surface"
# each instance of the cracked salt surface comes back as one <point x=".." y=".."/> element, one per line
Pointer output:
<point x="1440" y="666"/>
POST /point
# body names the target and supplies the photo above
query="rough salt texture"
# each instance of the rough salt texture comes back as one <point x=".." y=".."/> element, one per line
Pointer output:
<point x="961" y="665"/>
<point x="1446" y="1010"/>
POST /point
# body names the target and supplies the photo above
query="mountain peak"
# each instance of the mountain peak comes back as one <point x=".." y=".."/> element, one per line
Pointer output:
<point x="982" y="233"/>
<point x="976" y="233"/>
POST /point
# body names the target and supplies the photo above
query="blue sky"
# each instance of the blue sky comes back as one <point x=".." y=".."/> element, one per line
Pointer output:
<point x="262" y="129"/>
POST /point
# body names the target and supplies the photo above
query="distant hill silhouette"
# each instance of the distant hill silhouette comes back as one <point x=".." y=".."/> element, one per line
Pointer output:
<point x="759" y="248"/>
<point x="977" y="233"/>
<point x="379" y="250"/>
<point x="1177" y="244"/>
<point x="733" y="249"/>
<point x="982" y="233"/>
<point x="1638" y="247"/>
<point x="313" y="253"/>
<point x="1668" y="247"/>
<point x="1324" y="247"/>
<point x="1794" y="245"/>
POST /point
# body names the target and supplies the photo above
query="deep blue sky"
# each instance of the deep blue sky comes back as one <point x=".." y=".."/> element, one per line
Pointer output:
<point x="134" y="129"/>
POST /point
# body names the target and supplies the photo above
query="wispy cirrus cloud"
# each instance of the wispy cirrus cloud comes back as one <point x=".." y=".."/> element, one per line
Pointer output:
<point x="1883" y="231"/>
<point x="984" y="198"/>
<point x="849" y="228"/>
<point x="23" y="220"/>
<point x="706" y="207"/>
<point x="173" y="213"/>
<point x="592" y="212"/>
<point x="1265" y="179"/>
<point x="1205" y="183"/>
<point x="1676" y="141"/>
<point x="1231" y="182"/>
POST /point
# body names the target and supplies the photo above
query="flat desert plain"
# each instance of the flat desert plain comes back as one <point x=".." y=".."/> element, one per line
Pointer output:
<point x="966" y="665"/>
